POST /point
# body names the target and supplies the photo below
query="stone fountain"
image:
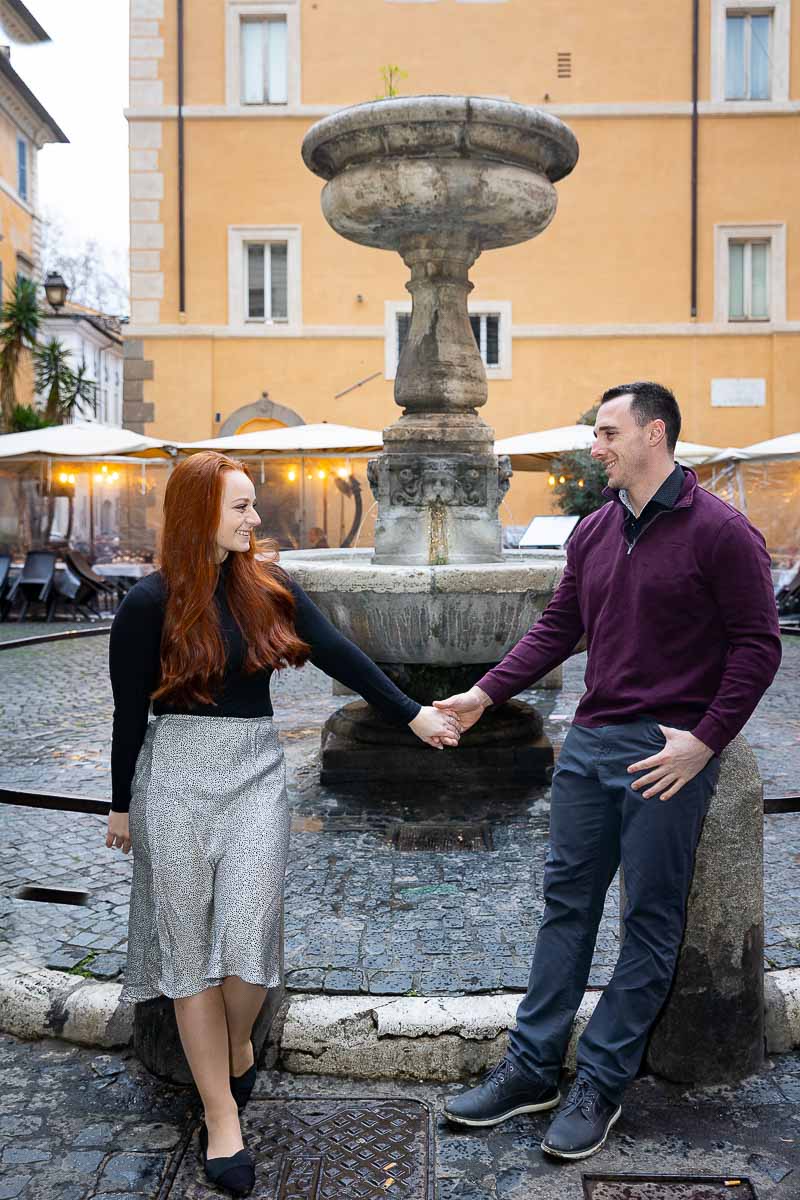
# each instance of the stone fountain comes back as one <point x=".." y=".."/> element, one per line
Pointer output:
<point x="437" y="179"/>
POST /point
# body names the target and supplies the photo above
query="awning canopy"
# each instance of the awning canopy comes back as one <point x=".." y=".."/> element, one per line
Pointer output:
<point x="535" y="451"/>
<point x="296" y="439"/>
<point x="787" y="446"/>
<point x="82" y="440"/>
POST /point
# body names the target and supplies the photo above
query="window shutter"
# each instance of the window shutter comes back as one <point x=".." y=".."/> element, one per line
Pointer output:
<point x="759" y="57"/>
<point x="22" y="168"/>
<point x="279" y="290"/>
<point x="403" y="327"/>
<point x="736" y="286"/>
<point x="252" y="38"/>
<point x="277" y="73"/>
<point x="492" y="341"/>
<point x="255" y="282"/>
<point x="734" y="58"/>
<point x="759" y="288"/>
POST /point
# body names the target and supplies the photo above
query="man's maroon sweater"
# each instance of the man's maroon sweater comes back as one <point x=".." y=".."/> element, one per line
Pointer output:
<point x="681" y="627"/>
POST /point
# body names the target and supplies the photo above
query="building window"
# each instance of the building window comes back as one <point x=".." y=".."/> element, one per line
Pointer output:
<point x="22" y="168"/>
<point x="264" y="61"/>
<point x="748" y="281"/>
<point x="750" y="273"/>
<point x="264" y="277"/>
<point x="750" y="51"/>
<point x="262" y="52"/>
<point x="747" y="55"/>
<point x="267" y="281"/>
<point x="491" y="326"/>
<point x="24" y="267"/>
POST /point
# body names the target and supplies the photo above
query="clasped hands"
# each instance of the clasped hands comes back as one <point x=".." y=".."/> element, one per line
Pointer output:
<point x="682" y="758"/>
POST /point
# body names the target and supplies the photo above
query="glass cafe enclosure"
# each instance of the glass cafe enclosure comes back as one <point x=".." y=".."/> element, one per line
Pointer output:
<point x="110" y="508"/>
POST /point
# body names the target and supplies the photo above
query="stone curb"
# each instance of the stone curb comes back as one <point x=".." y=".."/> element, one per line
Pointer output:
<point x="44" y="1003"/>
<point x="437" y="1038"/>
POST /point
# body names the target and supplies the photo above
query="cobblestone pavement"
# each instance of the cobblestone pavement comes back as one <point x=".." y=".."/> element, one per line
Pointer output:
<point x="359" y="915"/>
<point x="75" y="1125"/>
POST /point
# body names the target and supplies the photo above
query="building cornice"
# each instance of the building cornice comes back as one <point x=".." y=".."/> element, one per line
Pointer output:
<point x="519" y="332"/>
<point x="25" y="110"/>
<point x="20" y="24"/>
<point x="623" y="109"/>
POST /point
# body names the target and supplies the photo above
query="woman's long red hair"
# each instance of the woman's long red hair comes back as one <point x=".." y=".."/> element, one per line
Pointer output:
<point x="193" y="653"/>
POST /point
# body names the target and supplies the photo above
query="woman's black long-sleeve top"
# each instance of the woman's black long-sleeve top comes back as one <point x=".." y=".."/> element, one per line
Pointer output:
<point x="135" y="659"/>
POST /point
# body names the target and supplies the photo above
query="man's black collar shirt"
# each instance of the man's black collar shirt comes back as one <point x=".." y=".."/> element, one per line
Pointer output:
<point x="665" y="498"/>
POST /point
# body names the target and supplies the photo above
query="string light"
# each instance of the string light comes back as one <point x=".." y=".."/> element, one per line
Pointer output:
<point x="291" y="475"/>
<point x="322" y="474"/>
<point x="342" y="472"/>
<point x="562" y="479"/>
<point x="580" y="483"/>
<point x="552" y="480"/>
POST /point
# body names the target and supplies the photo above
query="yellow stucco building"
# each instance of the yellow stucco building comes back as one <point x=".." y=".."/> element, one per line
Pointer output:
<point x="248" y="310"/>
<point x="25" y="126"/>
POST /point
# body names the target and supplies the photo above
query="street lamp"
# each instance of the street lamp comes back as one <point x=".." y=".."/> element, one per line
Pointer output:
<point x="56" y="290"/>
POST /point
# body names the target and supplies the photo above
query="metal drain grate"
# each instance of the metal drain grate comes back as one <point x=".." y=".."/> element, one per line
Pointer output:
<point x="407" y="836"/>
<point x="667" y="1187"/>
<point x="336" y="1149"/>
<point x="47" y="895"/>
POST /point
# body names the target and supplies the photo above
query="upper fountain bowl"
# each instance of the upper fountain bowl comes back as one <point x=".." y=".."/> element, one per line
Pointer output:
<point x="440" y="168"/>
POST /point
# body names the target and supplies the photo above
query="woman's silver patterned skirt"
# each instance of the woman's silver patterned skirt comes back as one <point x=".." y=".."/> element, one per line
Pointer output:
<point x="209" y="824"/>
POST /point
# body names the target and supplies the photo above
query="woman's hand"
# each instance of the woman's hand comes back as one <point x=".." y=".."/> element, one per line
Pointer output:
<point x="437" y="729"/>
<point x="119" y="833"/>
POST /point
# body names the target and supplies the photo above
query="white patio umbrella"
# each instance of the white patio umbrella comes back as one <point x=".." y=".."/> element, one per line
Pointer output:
<point x="784" y="447"/>
<point x="81" y="440"/>
<point x="296" y="439"/>
<point x="535" y="451"/>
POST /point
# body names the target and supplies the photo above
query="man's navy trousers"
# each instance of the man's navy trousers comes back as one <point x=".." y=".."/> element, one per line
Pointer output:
<point x="597" y="822"/>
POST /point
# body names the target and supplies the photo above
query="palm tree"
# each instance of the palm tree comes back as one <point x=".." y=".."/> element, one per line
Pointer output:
<point x="64" y="389"/>
<point x="82" y="391"/>
<point x="54" y="377"/>
<point x="19" y="321"/>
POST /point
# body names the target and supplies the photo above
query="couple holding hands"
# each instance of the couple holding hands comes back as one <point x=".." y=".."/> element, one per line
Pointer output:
<point x="672" y="589"/>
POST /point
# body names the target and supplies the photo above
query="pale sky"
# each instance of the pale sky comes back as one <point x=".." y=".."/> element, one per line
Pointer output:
<point x="81" y="78"/>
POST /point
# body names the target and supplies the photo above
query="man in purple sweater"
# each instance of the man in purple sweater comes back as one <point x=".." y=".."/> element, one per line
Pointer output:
<point x="672" y="588"/>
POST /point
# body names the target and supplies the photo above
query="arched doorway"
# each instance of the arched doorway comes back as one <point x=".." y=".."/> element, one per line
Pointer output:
<point x="264" y="414"/>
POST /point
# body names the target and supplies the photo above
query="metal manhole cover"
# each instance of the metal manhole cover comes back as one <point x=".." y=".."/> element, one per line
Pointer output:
<point x="408" y="836"/>
<point x="667" y="1187"/>
<point x="322" y="1150"/>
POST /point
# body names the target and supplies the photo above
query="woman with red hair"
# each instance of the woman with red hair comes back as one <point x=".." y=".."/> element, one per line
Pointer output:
<point x="199" y="792"/>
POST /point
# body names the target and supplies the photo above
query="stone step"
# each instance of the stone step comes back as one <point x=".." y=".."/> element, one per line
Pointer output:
<point x="439" y="1039"/>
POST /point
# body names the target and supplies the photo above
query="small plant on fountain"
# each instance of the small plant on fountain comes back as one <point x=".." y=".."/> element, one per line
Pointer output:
<point x="390" y="74"/>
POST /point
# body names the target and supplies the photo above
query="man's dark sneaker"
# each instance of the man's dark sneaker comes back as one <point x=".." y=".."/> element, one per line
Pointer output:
<point x="582" y="1125"/>
<point x="503" y="1093"/>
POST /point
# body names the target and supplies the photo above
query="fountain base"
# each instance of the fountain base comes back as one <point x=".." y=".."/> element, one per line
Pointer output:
<point x="506" y="750"/>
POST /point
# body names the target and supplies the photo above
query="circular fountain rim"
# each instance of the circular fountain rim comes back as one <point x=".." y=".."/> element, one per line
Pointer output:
<point x="537" y="140"/>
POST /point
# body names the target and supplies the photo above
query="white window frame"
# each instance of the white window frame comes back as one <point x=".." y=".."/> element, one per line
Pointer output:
<point x="779" y="52"/>
<point x="239" y="236"/>
<point x="235" y="12"/>
<point x="775" y="234"/>
<point x="500" y="308"/>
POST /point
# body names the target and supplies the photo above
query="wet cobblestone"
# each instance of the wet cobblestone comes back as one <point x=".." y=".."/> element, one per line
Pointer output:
<point x="359" y="915"/>
<point x="68" y="1132"/>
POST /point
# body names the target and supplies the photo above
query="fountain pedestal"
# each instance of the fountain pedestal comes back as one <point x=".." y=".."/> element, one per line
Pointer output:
<point x="439" y="180"/>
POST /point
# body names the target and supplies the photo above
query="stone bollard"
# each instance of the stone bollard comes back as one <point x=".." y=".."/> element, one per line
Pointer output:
<point x="157" y="1044"/>
<point x="711" y="1028"/>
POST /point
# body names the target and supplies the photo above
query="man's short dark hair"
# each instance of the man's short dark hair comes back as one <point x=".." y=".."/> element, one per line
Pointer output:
<point x="650" y="402"/>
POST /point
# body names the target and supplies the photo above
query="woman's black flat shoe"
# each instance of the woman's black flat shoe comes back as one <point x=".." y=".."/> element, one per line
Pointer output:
<point x="235" y="1173"/>
<point x="242" y="1086"/>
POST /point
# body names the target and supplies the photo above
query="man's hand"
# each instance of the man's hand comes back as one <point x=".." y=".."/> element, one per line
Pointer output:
<point x="683" y="757"/>
<point x="468" y="706"/>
